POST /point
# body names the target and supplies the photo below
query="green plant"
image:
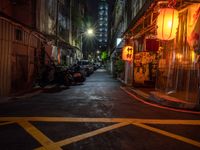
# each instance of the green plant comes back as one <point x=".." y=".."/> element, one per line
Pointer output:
<point x="120" y="66"/>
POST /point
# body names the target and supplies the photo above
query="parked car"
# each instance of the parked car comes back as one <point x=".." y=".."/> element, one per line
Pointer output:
<point x="87" y="66"/>
<point x="96" y="65"/>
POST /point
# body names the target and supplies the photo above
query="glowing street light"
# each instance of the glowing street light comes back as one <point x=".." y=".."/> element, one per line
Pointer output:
<point x="90" y="32"/>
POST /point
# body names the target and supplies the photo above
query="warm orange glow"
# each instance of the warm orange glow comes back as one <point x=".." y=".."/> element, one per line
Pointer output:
<point x="179" y="57"/>
<point x="58" y="56"/>
<point x="167" y="23"/>
<point x="127" y="53"/>
<point x="193" y="56"/>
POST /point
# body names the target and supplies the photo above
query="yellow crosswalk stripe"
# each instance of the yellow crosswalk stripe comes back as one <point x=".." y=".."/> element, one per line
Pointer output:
<point x="109" y="120"/>
<point x="168" y="134"/>
<point x="39" y="136"/>
<point x="91" y="134"/>
<point x="6" y="123"/>
<point x="88" y="134"/>
<point x="48" y="144"/>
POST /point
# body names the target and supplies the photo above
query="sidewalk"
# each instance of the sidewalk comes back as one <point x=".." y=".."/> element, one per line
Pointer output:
<point x="26" y="94"/>
<point x="155" y="97"/>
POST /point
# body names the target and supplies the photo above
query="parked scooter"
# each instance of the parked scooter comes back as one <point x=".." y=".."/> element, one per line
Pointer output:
<point x="63" y="77"/>
<point x="77" y="73"/>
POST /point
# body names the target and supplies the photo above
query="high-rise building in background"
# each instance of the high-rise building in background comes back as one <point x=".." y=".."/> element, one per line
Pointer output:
<point x="102" y="33"/>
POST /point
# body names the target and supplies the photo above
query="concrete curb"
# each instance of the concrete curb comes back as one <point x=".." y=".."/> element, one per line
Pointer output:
<point x="35" y="91"/>
<point x="4" y="99"/>
<point x="175" y="103"/>
<point x="165" y="100"/>
<point x="31" y="94"/>
<point x="122" y="81"/>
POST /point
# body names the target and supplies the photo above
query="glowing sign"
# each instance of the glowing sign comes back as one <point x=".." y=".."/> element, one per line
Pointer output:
<point x="127" y="53"/>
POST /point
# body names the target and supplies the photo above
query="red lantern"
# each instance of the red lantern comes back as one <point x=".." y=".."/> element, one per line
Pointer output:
<point x="167" y="23"/>
<point x="127" y="53"/>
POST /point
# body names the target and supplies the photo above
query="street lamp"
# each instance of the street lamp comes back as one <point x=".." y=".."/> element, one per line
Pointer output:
<point x="90" y="32"/>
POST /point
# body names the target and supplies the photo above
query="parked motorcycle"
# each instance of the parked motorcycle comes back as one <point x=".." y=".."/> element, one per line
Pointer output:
<point x="63" y="76"/>
<point x="77" y="73"/>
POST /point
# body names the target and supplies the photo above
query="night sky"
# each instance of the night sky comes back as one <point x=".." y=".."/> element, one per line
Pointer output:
<point x="93" y="8"/>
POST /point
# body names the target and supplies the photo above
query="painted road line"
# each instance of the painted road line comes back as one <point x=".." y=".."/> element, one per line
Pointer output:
<point x="61" y="119"/>
<point x="6" y="123"/>
<point x="158" y="106"/>
<point x="39" y="136"/>
<point x="168" y="134"/>
<point x="87" y="135"/>
<point x="41" y="148"/>
<point x="104" y="120"/>
<point x="91" y="134"/>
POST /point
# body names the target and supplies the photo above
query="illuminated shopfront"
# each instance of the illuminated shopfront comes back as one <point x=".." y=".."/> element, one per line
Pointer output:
<point x="178" y="69"/>
<point x="171" y="65"/>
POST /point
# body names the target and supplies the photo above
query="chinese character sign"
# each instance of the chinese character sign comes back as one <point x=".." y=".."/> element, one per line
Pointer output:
<point x="127" y="53"/>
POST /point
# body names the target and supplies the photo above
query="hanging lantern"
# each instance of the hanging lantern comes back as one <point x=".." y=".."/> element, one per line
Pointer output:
<point x="127" y="53"/>
<point x="167" y="23"/>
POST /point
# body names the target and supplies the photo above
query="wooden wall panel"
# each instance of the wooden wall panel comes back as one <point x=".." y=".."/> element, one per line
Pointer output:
<point x="6" y="32"/>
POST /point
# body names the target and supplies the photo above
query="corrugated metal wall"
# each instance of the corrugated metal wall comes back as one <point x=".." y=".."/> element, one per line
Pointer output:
<point x="16" y="57"/>
<point x="6" y="37"/>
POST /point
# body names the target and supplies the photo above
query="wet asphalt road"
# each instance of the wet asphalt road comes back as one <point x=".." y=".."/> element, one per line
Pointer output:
<point x="99" y="97"/>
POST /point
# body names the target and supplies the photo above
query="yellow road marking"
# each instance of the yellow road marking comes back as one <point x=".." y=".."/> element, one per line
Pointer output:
<point x="41" y="148"/>
<point x="6" y="123"/>
<point x="89" y="134"/>
<point x="112" y="120"/>
<point x="50" y="145"/>
<point x="168" y="134"/>
<point x="39" y="136"/>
